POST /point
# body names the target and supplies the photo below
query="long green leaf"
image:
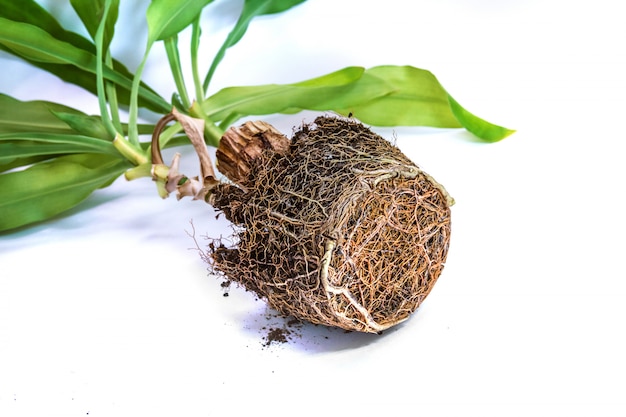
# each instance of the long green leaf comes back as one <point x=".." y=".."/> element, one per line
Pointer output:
<point x="25" y="145"/>
<point x="62" y="58"/>
<point x="168" y="17"/>
<point x="418" y="99"/>
<point x="47" y="117"/>
<point x="91" y="13"/>
<point x="82" y="124"/>
<point x="28" y="11"/>
<point x="414" y="98"/>
<point x="282" y="98"/>
<point x="479" y="127"/>
<point x="49" y="188"/>
<point x="23" y="162"/>
<point x="251" y="9"/>
<point x="33" y="116"/>
<point x="381" y="96"/>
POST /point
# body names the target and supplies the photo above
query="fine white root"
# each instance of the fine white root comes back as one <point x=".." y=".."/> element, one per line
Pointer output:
<point x="331" y="290"/>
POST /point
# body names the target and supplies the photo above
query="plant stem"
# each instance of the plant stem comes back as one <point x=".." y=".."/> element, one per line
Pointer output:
<point x="133" y="133"/>
<point x="102" y="101"/>
<point x="171" y="48"/>
<point x="130" y="151"/>
<point x="111" y="94"/>
<point x="140" y="171"/>
<point x="195" y="45"/>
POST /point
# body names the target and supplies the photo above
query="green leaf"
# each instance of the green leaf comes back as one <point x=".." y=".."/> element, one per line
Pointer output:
<point x="479" y="127"/>
<point x="24" y="145"/>
<point x="381" y="96"/>
<point x="69" y="62"/>
<point x="251" y="9"/>
<point x="168" y="17"/>
<point x="22" y="162"/>
<point x="47" y="117"/>
<point x="91" y="13"/>
<point x="49" y="188"/>
<point x="413" y="97"/>
<point x="418" y="99"/>
<point x="33" y="116"/>
<point x="314" y="94"/>
<point x="28" y="11"/>
<point x="35" y="44"/>
<point x="84" y="125"/>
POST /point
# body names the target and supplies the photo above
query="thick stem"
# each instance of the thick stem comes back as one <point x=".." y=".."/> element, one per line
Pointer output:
<point x="131" y="152"/>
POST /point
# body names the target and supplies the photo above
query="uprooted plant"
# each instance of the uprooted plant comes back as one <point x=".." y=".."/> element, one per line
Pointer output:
<point x="335" y="225"/>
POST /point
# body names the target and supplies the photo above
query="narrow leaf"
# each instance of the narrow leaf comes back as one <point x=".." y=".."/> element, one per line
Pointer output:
<point x="84" y="125"/>
<point x="251" y="9"/>
<point x="168" y="17"/>
<point x="91" y="13"/>
<point x="479" y="127"/>
<point x="47" y="117"/>
<point x="33" y="116"/>
<point x="24" y="145"/>
<point x="28" y="11"/>
<point x="36" y="44"/>
<point x="312" y="94"/>
<point x="49" y="188"/>
<point x="23" y="162"/>
<point x="67" y="61"/>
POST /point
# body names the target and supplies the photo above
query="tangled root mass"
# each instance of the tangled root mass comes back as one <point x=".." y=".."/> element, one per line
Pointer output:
<point x="338" y="227"/>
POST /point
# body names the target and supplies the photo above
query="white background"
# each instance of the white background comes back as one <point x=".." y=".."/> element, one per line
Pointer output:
<point x="109" y="310"/>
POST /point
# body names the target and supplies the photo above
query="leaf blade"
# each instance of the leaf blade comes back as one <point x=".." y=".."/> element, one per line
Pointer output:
<point x="481" y="128"/>
<point x="382" y="96"/>
<point x="91" y="13"/>
<point x="28" y="11"/>
<point x="168" y="17"/>
<point x="26" y="145"/>
<point x="28" y="116"/>
<point x="280" y="98"/>
<point x="69" y="62"/>
<point x="49" y="188"/>
<point x="415" y="98"/>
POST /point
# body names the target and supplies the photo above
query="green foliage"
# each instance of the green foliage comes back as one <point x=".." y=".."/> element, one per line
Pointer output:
<point x="48" y="188"/>
<point x="166" y="18"/>
<point x="31" y="33"/>
<point x="32" y="116"/>
<point x="52" y="156"/>
<point x="91" y="13"/>
<point x="381" y="96"/>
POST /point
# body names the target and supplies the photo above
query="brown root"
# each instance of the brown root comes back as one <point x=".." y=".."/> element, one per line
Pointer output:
<point x="339" y="228"/>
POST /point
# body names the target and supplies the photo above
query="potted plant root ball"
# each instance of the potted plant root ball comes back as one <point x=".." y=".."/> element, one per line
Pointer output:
<point x="335" y="226"/>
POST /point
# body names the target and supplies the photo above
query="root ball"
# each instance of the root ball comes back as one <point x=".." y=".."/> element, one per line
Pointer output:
<point x="337" y="226"/>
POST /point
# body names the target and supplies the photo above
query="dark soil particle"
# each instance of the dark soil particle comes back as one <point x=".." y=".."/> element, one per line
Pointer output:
<point x="276" y="335"/>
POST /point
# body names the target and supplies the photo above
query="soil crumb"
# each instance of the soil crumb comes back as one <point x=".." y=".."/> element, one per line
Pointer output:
<point x="276" y="335"/>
